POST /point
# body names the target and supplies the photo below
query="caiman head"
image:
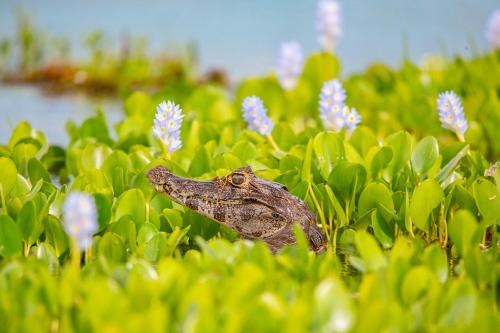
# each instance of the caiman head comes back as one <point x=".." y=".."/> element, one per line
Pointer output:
<point x="255" y="207"/>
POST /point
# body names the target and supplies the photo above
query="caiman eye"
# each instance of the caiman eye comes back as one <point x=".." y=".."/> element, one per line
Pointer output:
<point x="237" y="179"/>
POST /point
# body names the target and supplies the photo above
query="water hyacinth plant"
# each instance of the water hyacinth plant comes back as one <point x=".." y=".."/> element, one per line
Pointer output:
<point x="493" y="30"/>
<point x="332" y="109"/>
<point x="80" y="218"/>
<point x="451" y="113"/>
<point x="255" y="114"/>
<point x="167" y="125"/>
<point x="351" y="118"/>
<point x="289" y="64"/>
<point x="328" y="24"/>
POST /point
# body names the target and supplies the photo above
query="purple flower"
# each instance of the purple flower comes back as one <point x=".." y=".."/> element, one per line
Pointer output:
<point x="328" y="21"/>
<point x="255" y="114"/>
<point x="451" y="112"/>
<point x="167" y="124"/>
<point x="80" y="218"/>
<point x="493" y="30"/>
<point x="331" y="105"/>
<point x="290" y="61"/>
<point x="352" y="119"/>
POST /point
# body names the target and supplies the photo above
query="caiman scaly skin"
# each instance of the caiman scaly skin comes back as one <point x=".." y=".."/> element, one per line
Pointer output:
<point x="254" y="207"/>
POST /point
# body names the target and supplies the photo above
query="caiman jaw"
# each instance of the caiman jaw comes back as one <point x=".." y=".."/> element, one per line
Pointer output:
<point x="197" y="195"/>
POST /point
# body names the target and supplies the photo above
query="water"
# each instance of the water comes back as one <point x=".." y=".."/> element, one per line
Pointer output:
<point x="49" y="113"/>
<point x="241" y="36"/>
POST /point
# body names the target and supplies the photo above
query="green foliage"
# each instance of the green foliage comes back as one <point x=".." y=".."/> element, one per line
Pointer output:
<point x="410" y="215"/>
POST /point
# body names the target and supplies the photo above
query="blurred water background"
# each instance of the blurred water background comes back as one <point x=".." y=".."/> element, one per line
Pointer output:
<point x="240" y="36"/>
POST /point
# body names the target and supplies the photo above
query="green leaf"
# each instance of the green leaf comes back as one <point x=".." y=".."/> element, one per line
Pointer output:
<point x="446" y="171"/>
<point x="380" y="160"/>
<point x="55" y="235"/>
<point x="10" y="237"/>
<point x="112" y="248"/>
<point x="382" y="231"/>
<point x="363" y="139"/>
<point x="487" y="199"/>
<point x="417" y="283"/>
<point x="37" y="171"/>
<point x="425" y="154"/>
<point x="462" y="230"/>
<point x="132" y="203"/>
<point x="401" y="145"/>
<point x="435" y="258"/>
<point x="374" y="195"/>
<point x="200" y="163"/>
<point x="337" y="316"/>
<point x="370" y="252"/>
<point x="245" y="151"/>
<point x="23" y="130"/>
<point x="306" y="166"/>
<point x="27" y="219"/>
<point x="103" y="210"/>
<point x="427" y="196"/>
<point x="329" y="149"/>
<point x="94" y="155"/>
<point x="8" y="172"/>
<point x="347" y="179"/>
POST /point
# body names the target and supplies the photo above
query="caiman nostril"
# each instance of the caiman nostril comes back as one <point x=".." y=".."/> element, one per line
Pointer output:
<point x="158" y="174"/>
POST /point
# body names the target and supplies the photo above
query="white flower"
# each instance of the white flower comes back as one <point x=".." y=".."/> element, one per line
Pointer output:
<point x="255" y="114"/>
<point x="80" y="218"/>
<point x="328" y="23"/>
<point x="493" y="30"/>
<point x="290" y="61"/>
<point x="167" y="124"/>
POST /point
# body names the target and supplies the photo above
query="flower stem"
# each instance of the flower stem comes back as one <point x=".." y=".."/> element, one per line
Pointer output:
<point x="164" y="151"/>
<point x="75" y="256"/>
<point x="460" y="137"/>
<point x="275" y="146"/>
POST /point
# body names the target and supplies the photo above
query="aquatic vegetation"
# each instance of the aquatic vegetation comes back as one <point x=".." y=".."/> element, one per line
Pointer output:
<point x="80" y="218"/>
<point x="328" y="23"/>
<point x="333" y="111"/>
<point x="351" y="118"/>
<point x="255" y="114"/>
<point x="411" y="215"/>
<point x="167" y="125"/>
<point x="493" y="30"/>
<point x="451" y="113"/>
<point x="290" y="63"/>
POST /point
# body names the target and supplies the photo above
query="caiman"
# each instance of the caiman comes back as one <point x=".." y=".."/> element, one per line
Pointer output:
<point x="256" y="208"/>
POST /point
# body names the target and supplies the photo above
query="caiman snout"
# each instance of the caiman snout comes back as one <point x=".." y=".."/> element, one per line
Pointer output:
<point x="158" y="176"/>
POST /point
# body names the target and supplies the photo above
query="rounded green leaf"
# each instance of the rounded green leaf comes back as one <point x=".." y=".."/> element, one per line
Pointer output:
<point x="347" y="179"/>
<point x="462" y="229"/>
<point x="329" y="149"/>
<point x="55" y="234"/>
<point x="417" y="283"/>
<point x="200" y="163"/>
<point x="370" y="252"/>
<point x="8" y="172"/>
<point x="10" y="237"/>
<point x="401" y="145"/>
<point x="425" y="154"/>
<point x="132" y="203"/>
<point x="363" y="139"/>
<point x="435" y="259"/>
<point x="427" y="196"/>
<point x="37" y="171"/>
<point x="374" y="195"/>
<point x="26" y="220"/>
<point x="487" y="199"/>
<point x="380" y="160"/>
<point x="112" y="248"/>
